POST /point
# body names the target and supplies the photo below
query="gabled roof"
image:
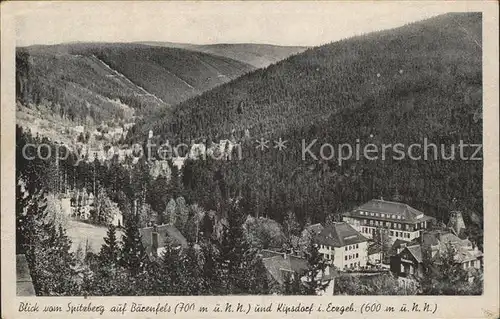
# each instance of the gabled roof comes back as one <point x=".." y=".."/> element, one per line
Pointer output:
<point x="437" y="240"/>
<point x="392" y="211"/>
<point x="339" y="234"/>
<point x="464" y="250"/>
<point x="165" y="232"/>
<point x="398" y="244"/>
<point x="415" y="251"/>
<point x="277" y="262"/>
<point x="316" y="228"/>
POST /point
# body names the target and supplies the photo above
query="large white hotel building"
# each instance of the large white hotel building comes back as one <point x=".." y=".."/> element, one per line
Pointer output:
<point x="400" y="220"/>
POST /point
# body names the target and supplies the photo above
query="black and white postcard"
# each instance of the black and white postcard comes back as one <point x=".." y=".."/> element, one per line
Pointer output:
<point x="250" y="159"/>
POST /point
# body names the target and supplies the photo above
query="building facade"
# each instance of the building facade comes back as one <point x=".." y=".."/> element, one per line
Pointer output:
<point x="396" y="220"/>
<point x="343" y="246"/>
<point x="408" y="261"/>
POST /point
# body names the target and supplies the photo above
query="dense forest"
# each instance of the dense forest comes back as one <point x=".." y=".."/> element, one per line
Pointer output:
<point x="419" y="81"/>
<point x="228" y="263"/>
<point x="100" y="82"/>
<point x="426" y="66"/>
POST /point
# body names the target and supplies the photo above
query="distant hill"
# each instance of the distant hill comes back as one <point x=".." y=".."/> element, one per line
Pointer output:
<point x="422" y="80"/>
<point x="257" y="55"/>
<point x="95" y="82"/>
<point x="407" y="70"/>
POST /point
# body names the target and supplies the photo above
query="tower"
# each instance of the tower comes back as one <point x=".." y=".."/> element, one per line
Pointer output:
<point x="456" y="223"/>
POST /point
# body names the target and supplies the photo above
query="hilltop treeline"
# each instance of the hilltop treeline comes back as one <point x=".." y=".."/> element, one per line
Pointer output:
<point x="100" y="82"/>
<point x="349" y="74"/>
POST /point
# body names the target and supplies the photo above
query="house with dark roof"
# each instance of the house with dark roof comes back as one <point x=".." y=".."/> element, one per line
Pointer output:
<point x="468" y="255"/>
<point x="408" y="261"/>
<point x="24" y="284"/>
<point x="398" y="220"/>
<point x="397" y="246"/>
<point x="343" y="246"/>
<point x="282" y="267"/>
<point x="155" y="238"/>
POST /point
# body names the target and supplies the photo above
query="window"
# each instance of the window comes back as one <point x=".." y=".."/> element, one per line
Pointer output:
<point x="393" y="216"/>
<point x="345" y="248"/>
<point x="357" y="255"/>
<point x="376" y="214"/>
<point x="396" y="234"/>
<point x="361" y="213"/>
<point x="357" y="246"/>
<point x="382" y="215"/>
<point x="392" y="233"/>
<point x="345" y="257"/>
<point x="400" y="234"/>
<point x="388" y="224"/>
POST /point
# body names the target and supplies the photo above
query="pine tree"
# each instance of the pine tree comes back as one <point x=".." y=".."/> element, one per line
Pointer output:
<point x="47" y="248"/>
<point x="255" y="273"/>
<point x="232" y="250"/>
<point x="62" y="263"/>
<point x="211" y="283"/>
<point x="315" y="270"/>
<point x="291" y="228"/>
<point x="169" y="278"/>
<point x="110" y="250"/>
<point x="133" y="258"/>
<point x="191" y="272"/>
<point x="107" y="267"/>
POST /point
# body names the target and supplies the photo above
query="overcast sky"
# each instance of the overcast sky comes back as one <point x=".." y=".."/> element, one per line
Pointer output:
<point x="283" y="23"/>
